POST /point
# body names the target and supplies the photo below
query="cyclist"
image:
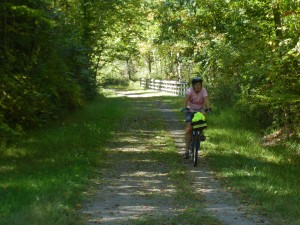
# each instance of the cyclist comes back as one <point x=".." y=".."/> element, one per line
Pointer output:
<point x="196" y="99"/>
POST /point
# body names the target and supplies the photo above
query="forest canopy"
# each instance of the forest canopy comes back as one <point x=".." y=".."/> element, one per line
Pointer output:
<point x="54" y="55"/>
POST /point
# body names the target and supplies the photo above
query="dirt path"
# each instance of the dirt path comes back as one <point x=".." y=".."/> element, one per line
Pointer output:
<point x="138" y="185"/>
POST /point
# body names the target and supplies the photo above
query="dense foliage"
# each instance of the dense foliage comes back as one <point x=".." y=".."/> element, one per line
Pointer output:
<point x="45" y="70"/>
<point x="50" y="53"/>
<point x="247" y="51"/>
<point x="53" y="54"/>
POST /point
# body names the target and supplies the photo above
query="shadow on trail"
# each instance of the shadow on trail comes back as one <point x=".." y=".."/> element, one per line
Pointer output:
<point x="138" y="187"/>
<point x="251" y="170"/>
<point x="137" y="184"/>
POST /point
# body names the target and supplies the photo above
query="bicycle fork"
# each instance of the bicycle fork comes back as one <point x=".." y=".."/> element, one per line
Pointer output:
<point x="197" y="137"/>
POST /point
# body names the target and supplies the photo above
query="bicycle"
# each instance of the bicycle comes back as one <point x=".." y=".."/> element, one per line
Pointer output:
<point x="197" y="133"/>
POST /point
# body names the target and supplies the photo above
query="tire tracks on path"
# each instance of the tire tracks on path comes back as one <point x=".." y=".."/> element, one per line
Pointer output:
<point x="137" y="185"/>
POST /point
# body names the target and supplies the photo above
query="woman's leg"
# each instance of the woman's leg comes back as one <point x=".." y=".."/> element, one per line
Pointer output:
<point x="188" y="137"/>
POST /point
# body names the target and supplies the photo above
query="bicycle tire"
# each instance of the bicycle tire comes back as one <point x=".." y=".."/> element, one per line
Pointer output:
<point x="196" y="149"/>
<point x="191" y="147"/>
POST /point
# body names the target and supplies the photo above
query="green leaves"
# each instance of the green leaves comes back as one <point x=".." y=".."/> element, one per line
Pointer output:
<point x="39" y="78"/>
<point x="241" y="48"/>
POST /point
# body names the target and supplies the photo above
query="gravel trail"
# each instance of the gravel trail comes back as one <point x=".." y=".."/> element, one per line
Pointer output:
<point x="138" y="186"/>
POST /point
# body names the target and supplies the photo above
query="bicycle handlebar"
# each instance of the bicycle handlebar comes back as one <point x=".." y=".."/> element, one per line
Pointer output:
<point x="188" y="109"/>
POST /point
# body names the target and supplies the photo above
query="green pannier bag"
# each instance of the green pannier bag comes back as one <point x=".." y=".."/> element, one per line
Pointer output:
<point x="199" y="121"/>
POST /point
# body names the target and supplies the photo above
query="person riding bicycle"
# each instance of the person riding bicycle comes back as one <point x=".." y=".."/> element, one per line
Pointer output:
<point x="196" y="99"/>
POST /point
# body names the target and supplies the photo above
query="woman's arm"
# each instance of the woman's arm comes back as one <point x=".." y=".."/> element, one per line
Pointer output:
<point x="186" y="101"/>
<point x="206" y="102"/>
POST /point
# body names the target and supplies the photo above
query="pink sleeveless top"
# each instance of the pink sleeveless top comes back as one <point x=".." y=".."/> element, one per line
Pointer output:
<point x="196" y="99"/>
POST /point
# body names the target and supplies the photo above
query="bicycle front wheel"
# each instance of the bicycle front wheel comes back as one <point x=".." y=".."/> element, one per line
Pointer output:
<point x="196" y="149"/>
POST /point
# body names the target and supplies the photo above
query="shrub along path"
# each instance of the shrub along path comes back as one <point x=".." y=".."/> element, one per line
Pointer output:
<point x="147" y="180"/>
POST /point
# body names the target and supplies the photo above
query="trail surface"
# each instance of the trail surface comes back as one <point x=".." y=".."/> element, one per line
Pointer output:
<point x="137" y="186"/>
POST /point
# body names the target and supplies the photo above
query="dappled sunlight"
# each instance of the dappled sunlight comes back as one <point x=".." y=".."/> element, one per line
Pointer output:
<point x="132" y="140"/>
<point x="240" y="142"/>
<point x="140" y="188"/>
<point x="218" y="200"/>
<point x="139" y="181"/>
<point x="148" y="174"/>
<point x="10" y="156"/>
<point x="6" y="169"/>
<point x="14" y="153"/>
<point x="129" y="212"/>
<point x="92" y="127"/>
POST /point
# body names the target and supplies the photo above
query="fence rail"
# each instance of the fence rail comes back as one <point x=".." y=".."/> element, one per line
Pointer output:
<point x="175" y="87"/>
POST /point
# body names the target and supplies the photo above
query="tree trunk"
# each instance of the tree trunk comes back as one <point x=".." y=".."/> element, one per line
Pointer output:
<point x="5" y="41"/>
<point x="129" y="69"/>
<point x="171" y="63"/>
<point x="178" y="67"/>
<point x="149" y="62"/>
<point x="277" y="22"/>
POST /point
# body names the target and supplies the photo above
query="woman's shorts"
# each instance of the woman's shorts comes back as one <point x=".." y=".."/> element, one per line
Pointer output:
<point x="188" y="117"/>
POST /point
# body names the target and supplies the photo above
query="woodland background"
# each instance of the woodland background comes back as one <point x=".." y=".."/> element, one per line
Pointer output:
<point x="56" y="55"/>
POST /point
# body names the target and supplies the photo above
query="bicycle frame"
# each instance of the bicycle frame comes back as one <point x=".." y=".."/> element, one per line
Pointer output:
<point x="197" y="136"/>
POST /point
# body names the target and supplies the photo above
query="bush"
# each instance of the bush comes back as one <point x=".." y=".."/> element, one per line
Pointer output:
<point x="111" y="79"/>
<point x="7" y="133"/>
<point x="254" y="113"/>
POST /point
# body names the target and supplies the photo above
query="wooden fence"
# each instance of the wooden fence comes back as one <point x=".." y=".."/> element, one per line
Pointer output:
<point x="175" y="87"/>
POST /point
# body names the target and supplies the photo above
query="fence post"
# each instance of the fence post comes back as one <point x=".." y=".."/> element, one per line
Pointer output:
<point x="141" y="81"/>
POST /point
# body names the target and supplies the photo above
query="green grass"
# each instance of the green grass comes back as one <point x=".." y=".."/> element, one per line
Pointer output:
<point x="266" y="177"/>
<point x="43" y="177"/>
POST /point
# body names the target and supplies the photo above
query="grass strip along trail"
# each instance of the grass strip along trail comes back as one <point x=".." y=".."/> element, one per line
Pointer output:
<point x="46" y="177"/>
